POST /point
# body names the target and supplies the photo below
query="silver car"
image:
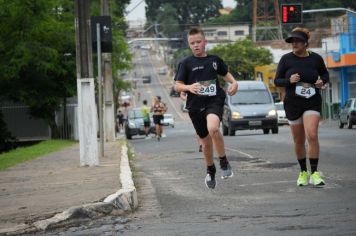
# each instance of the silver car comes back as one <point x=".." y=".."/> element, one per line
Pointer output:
<point x="347" y="114"/>
<point x="252" y="107"/>
<point x="168" y="120"/>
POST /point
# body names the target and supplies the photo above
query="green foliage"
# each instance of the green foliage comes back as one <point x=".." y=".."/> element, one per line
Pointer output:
<point x="168" y="19"/>
<point x="36" y="36"/>
<point x="188" y="12"/>
<point x="20" y="155"/>
<point x="242" y="57"/>
<point x="7" y="142"/>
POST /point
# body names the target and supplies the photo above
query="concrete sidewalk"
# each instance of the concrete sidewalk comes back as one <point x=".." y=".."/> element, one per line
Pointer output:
<point x="32" y="193"/>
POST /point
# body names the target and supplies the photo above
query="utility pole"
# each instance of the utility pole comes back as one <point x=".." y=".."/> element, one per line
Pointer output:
<point x="109" y="108"/>
<point x="87" y="116"/>
<point x="264" y="11"/>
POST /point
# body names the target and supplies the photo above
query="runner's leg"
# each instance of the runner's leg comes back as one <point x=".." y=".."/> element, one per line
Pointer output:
<point x="213" y="123"/>
<point x="299" y="140"/>
<point x="311" y="125"/>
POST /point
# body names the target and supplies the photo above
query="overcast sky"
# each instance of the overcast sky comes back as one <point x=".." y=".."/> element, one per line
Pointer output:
<point x="139" y="12"/>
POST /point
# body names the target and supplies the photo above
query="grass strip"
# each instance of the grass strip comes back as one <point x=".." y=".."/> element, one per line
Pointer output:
<point x="23" y="154"/>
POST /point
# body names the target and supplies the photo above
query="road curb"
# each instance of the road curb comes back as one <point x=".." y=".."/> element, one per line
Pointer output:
<point x="123" y="201"/>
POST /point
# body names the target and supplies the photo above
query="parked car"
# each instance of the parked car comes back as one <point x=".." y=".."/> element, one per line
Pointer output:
<point x="162" y="71"/>
<point x="146" y="79"/>
<point x="168" y="120"/>
<point x="173" y="92"/>
<point x="281" y="113"/>
<point x="134" y="123"/>
<point x="252" y="107"/>
<point x="347" y="114"/>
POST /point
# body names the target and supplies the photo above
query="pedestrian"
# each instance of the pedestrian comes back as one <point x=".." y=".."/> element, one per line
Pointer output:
<point x="197" y="75"/>
<point x="146" y="119"/>
<point x="303" y="73"/>
<point x="120" y="121"/>
<point x="183" y="96"/>
<point x="158" y="108"/>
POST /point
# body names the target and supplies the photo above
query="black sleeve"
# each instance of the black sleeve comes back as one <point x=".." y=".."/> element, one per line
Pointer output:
<point x="181" y="74"/>
<point x="323" y="72"/>
<point x="222" y="67"/>
<point x="280" y="79"/>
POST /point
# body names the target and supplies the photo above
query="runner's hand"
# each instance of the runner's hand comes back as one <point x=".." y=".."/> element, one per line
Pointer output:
<point x="194" y="88"/>
<point x="232" y="89"/>
<point x="320" y="84"/>
<point x="294" y="78"/>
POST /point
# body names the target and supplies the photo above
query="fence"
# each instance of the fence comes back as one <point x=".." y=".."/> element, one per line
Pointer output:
<point x="25" y="127"/>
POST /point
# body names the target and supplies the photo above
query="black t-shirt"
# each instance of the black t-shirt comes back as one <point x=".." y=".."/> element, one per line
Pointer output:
<point x="197" y="69"/>
<point x="309" y="69"/>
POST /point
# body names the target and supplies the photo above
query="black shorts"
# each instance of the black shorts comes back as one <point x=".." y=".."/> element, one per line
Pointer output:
<point x="198" y="117"/>
<point x="157" y="119"/>
<point x="296" y="106"/>
<point x="146" y="123"/>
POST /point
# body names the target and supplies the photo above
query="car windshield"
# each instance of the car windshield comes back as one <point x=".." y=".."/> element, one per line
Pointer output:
<point x="134" y="114"/>
<point x="245" y="97"/>
<point x="279" y="106"/>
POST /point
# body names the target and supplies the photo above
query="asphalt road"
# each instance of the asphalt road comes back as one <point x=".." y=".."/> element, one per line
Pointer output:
<point x="261" y="199"/>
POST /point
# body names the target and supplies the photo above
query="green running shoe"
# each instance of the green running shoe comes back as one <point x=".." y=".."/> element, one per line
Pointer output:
<point x="302" y="179"/>
<point x="316" y="180"/>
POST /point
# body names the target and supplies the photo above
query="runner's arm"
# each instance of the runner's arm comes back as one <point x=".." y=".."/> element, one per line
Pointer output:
<point x="233" y="86"/>
<point x="181" y="87"/>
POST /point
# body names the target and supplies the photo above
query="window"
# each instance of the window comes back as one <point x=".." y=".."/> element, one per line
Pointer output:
<point x="239" y="32"/>
<point x="222" y="33"/>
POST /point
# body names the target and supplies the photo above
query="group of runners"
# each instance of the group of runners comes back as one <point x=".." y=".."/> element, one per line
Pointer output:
<point x="301" y="72"/>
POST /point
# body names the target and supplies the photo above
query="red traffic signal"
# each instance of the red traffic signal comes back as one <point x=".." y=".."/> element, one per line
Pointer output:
<point x="291" y="13"/>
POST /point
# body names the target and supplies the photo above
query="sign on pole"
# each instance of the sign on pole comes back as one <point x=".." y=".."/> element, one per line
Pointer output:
<point x="105" y="33"/>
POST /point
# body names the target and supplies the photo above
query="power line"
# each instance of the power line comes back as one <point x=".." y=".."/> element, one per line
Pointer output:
<point x="128" y="12"/>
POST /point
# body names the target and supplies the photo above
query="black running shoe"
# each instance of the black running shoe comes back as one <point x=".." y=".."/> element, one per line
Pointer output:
<point x="226" y="171"/>
<point x="210" y="181"/>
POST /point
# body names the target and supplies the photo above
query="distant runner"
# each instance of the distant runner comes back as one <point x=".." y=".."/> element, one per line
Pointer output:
<point x="158" y="108"/>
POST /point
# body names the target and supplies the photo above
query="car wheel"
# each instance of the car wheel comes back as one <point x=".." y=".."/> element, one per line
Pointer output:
<point x="265" y="131"/>
<point x="224" y="129"/>
<point x="275" y="130"/>
<point x="349" y="123"/>
<point x="231" y="131"/>
<point x="341" y="125"/>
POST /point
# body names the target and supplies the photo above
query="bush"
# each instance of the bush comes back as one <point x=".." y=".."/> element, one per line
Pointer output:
<point x="7" y="141"/>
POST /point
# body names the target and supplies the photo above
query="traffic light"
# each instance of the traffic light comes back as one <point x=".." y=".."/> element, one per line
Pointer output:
<point x="292" y="13"/>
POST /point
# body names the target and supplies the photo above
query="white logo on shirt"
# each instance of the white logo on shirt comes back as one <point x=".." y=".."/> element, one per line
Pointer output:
<point x="215" y="65"/>
<point x="198" y="68"/>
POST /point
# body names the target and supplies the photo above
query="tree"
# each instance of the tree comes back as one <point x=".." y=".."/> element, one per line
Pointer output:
<point x="167" y="18"/>
<point x="188" y="12"/>
<point x="35" y="36"/>
<point x="242" y="57"/>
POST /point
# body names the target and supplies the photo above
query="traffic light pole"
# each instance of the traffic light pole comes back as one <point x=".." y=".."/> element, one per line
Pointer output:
<point x="329" y="9"/>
